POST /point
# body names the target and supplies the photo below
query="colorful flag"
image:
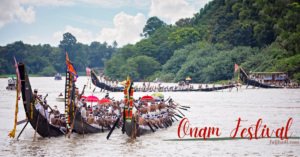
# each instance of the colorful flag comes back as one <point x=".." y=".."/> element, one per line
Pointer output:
<point x="18" y="75"/>
<point x="12" y="133"/>
<point x="88" y="70"/>
<point x="71" y="69"/>
<point x="236" y="67"/>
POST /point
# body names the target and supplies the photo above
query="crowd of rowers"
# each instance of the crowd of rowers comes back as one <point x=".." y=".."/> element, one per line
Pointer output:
<point x="284" y="81"/>
<point x="157" y="114"/>
<point x="181" y="86"/>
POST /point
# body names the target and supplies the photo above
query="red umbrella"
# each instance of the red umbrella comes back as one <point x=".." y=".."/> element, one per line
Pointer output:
<point x="104" y="101"/>
<point x="83" y="97"/>
<point x="91" y="99"/>
<point x="147" y="99"/>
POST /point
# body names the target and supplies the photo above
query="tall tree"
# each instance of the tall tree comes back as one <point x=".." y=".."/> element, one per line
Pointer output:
<point x="153" y="23"/>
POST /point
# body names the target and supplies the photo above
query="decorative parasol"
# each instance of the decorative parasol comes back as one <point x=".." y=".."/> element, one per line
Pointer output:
<point x="147" y="99"/>
<point x="104" y="101"/>
<point x="188" y="79"/>
<point x="158" y="95"/>
<point x="82" y="97"/>
<point x="91" y="99"/>
<point x="156" y="98"/>
<point x="123" y="83"/>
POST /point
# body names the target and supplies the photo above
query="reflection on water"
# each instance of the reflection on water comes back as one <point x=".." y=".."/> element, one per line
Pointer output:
<point x="208" y="109"/>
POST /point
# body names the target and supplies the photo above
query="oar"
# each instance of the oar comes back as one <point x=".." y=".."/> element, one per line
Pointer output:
<point x="172" y="119"/>
<point x="184" y="109"/>
<point x="150" y="126"/>
<point x="72" y="124"/>
<point x="181" y="113"/>
<point x="155" y="126"/>
<point x="37" y="122"/>
<point x="178" y="115"/>
<point x="22" y="129"/>
<point x="112" y="129"/>
<point x="175" y="118"/>
<point x="21" y="121"/>
<point x="166" y="124"/>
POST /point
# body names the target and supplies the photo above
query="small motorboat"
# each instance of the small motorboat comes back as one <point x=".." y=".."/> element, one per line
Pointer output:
<point x="58" y="77"/>
<point x="12" y="83"/>
<point x="60" y="98"/>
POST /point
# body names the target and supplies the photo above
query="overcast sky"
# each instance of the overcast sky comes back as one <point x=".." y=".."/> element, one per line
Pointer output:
<point x="45" y="21"/>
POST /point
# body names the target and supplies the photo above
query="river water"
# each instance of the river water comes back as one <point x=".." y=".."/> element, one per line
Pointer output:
<point x="208" y="109"/>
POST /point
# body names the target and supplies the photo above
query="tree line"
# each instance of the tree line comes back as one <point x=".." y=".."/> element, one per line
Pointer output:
<point x="47" y="61"/>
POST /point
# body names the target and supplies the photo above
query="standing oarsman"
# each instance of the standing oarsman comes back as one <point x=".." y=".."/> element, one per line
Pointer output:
<point x="101" y="76"/>
<point x="46" y="114"/>
<point x="37" y="101"/>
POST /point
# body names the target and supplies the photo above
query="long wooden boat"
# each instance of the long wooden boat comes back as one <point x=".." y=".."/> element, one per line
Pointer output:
<point x="44" y="128"/>
<point x="97" y="83"/>
<point x="80" y="126"/>
<point x="244" y="77"/>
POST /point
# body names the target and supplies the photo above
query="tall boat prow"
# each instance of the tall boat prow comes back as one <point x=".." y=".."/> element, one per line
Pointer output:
<point x="37" y="121"/>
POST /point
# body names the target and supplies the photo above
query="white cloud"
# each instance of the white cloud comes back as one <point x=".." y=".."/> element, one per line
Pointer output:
<point x="10" y="8"/>
<point x="32" y="37"/>
<point x="171" y="9"/>
<point x="127" y="30"/>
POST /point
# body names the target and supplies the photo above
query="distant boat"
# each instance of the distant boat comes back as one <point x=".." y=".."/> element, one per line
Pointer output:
<point x="12" y="84"/>
<point x="58" y="77"/>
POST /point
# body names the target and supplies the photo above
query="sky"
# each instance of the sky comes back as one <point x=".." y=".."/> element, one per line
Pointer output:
<point x="45" y="21"/>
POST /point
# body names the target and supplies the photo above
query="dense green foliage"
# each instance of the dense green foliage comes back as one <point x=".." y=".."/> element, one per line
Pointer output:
<point x="47" y="61"/>
<point x="258" y="35"/>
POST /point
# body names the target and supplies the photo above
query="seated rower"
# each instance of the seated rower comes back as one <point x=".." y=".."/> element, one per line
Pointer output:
<point x="90" y="118"/>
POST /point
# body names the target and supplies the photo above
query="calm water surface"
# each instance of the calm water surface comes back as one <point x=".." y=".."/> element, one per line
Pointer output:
<point x="208" y="109"/>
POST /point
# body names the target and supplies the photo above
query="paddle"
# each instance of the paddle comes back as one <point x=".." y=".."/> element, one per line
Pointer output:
<point x="22" y="130"/>
<point x="175" y="118"/>
<point x="21" y="121"/>
<point x="184" y="109"/>
<point x="37" y="122"/>
<point x="172" y="119"/>
<point x="112" y="129"/>
<point x="178" y="115"/>
<point x="150" y="126"/>
<point x="72" y="123"/>
<point x="180" y="112"/>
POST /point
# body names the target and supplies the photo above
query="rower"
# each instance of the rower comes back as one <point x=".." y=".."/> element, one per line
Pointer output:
<point x="84" y="105"/>
<point x="55" y="120"/>
<point x="46" y="114"/>
<point x="206" y="86"/>
<point x="55" y="112"/>
<point x="37" y="101"/>
<point x="90" y="118"/>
